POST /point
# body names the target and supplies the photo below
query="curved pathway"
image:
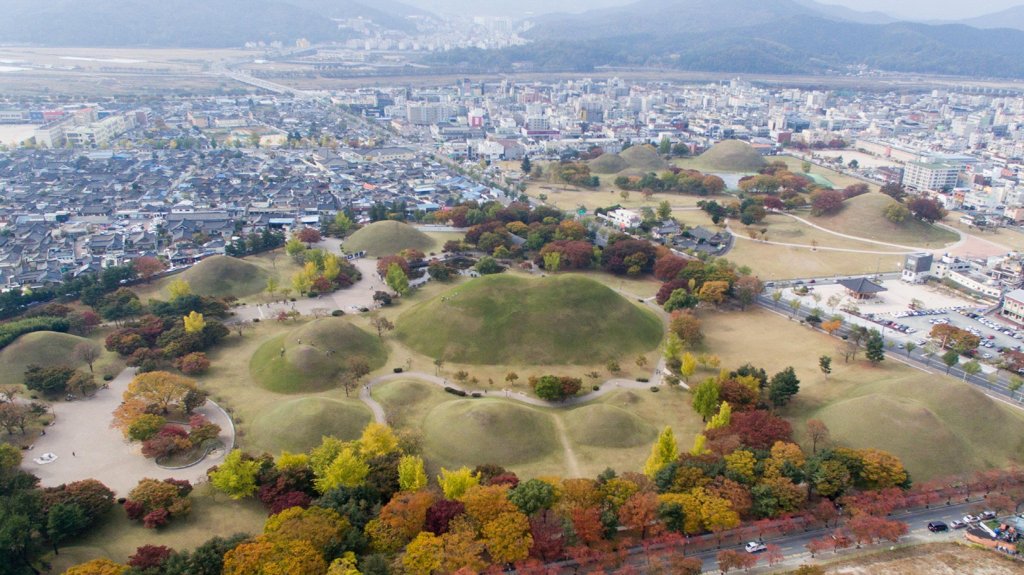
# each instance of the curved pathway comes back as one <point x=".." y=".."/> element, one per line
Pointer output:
<point x="605" y="388"/>
<point x="817" y="248"/>
<point x="857" y="238"/>
<point x="87" y="447"/>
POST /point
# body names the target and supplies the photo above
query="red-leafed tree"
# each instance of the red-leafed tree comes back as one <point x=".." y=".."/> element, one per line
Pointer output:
<point x="815" y="546"/>
<point x="147" y="266"/>
<point x="548" y="536"/>
<point x="309" y="236"/>
<point x="668" y="266"/>
<point x="149" y="557"/>
<point x="758" y="429"/>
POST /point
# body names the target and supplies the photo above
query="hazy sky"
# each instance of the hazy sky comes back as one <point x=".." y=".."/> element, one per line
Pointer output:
<point x="929" y="9"/>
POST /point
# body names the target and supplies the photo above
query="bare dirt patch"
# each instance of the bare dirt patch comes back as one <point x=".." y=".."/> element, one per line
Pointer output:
<point x="939" y="559"/>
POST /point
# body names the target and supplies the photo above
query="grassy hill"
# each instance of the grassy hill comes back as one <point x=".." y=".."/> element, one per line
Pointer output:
<point x="608" y="164"/>
<point x="932" y="424"/>
<point x="298" y="425"/>
<point x="474" y="431"/>
<point x="45" y="348"/>
<point x="729" y="156"/>
<point x="602" y="425"/>
<point x="388" y="237"/>
<point x="863" y="217"/>
<point x="221" y="276"/>
<point x="644" y="157"/>
<point x="314" y="356"/>
<point x="512" y="320"/>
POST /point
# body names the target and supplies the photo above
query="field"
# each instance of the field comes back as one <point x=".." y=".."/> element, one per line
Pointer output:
<point x="570" y="198"/>
<point x="772" y="262"/>
<point x="312" y="357"/>
<point x="265" y="420"/>
<point x="616" y="430"/>
<point x="117" y="538"/>
<point x="936" y="425"/>
<point x="930" y="559"/>
<point x="47" y="348"/>
<point x="513" y="320"/>
<point x="387" y="238"/>
<point x="862" y="217"/>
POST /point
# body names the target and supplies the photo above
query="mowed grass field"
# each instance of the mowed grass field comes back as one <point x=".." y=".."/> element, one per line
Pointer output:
<point x="267" y="420"/>
<point x="863" y="217"/>
<point x="937" y="425"/>
<point x="48" y="348"/>
<point x="213" y="514"/>
<point x="616" y="430"/>
<point x="772" y="262"/>
<point x="506" y="319"/>
<point x="312" y="357"/>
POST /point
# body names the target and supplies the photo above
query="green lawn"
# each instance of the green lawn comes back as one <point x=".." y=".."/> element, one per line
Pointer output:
<point x="506" y="319"/>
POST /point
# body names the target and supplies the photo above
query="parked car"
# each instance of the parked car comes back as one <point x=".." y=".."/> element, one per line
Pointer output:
<point x="970" y="519"/>
<point x="986" y="515"/>
<point x="936" y="526"/>
<point x="755" y="547"/>
<point x="958" y="524"/>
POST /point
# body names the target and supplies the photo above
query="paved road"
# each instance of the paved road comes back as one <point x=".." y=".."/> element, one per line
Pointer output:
<point x="997" y="388"/>
<point x="794" y="546"/>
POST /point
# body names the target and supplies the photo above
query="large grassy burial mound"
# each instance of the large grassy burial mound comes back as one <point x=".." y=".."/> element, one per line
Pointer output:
<point x="299" y="424"/>
<point x="603" y="425"/>
<point x="386" y="238"/>
<point x="43" y="348"/>
<point x="731" y="156"/>
<point x="314" y="356"/>
<point x="864" y="216"/>
<point x="475" y="431"/>
<point x="223" y="276"/>
<point x="508" y="320"/>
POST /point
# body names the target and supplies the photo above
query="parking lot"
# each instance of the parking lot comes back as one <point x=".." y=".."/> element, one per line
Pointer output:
<point x="892" y="313"/>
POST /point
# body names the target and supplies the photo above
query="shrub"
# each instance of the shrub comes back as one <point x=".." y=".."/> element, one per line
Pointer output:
<point x="193" y="363"/>
<point x="398" y="370"/>
<point x="11" y="331"/>
<point x="337" y="313"/>
<point x="655" y="388"/>
<point x="643" y="379"/>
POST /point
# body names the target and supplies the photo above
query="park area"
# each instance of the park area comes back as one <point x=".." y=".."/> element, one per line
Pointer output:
<point x="933" y="559"/>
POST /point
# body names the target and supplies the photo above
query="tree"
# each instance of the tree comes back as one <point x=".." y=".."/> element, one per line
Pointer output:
<point x="663" y="452"/>
<point x="147" y="266"/>
<point x="874" y="347"/>
<point x="397" y="280"/>
<point x="236" y="476"/>
<point x="926" y="209"/>
<point x="532" y="496"/>
<point x="794" y="304"/>
<point x="179" y="288"/>
<point x="64" y="521"/>
<point x="910" y="347"/>
<point x="687" y="366"/>
<point x="896" y="212"/>
<point x="950" y="358"/>
<point x="346" y="470"/>
<point x="98" y="567"/>
<point x="705" y="398"/>
<point x="722" y="418"/>
<point x="552" y="260"/>
<point x="264" y="556"/>
<point x="455" y="483"/>
<point x="411" y="473"/>
<point x="729" y="560"/>
<point x="309" y="236"/>
<point x="508" y="537"/>
<point x="713" y="292"/>
<point x="14" y="416"/>
<point x="194" y="322"/>
<point x="686" y="326"/>
<point x="817" y="432"/>
<point x="681" y="299"/>
<point x="423" y="554"/>
<point x="747" y="289"/>
<point x="150" y="557"/>
<point x="825" y="364"/>
<point x="894" y="191"/>
<point x="783" y="386"/>
<point x="824" y="202"/>
<point x="971" y="368"/>
<point x="526" y="166"/>
<point x="382" y="325"/>
<point x="160" y="389"/>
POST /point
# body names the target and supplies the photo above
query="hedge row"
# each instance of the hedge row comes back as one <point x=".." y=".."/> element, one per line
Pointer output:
<point x="13" y="330"/>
